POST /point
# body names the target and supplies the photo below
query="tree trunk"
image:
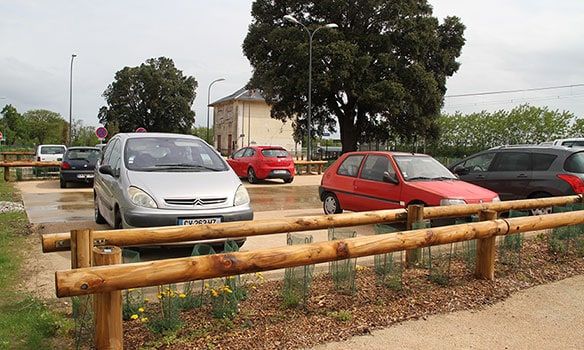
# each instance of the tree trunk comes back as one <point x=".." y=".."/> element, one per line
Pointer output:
<point x="349" y="134"/>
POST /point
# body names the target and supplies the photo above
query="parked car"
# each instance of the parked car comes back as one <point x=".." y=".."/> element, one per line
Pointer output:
<point x="361" y="181"/>
<point x="519" y="172"/>
<point x="50" y="153"/>
<point x="158" y="179"/>
<point x="571" y="142"/>
<point x="263" y="162"/>
<point x="78" y="165"/>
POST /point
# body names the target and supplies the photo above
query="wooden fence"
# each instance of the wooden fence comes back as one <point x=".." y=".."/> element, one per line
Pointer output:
<point x="25" y="164"/>
<point x="107" y="281"/>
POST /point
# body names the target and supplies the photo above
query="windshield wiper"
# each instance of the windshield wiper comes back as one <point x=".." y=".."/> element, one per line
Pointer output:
<point x="186" y="166"/>
<point x="443" y="178"/>
<point x="420" y="178"/>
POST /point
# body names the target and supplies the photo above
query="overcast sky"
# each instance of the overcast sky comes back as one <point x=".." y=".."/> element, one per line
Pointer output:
<point x="509" y="45"/>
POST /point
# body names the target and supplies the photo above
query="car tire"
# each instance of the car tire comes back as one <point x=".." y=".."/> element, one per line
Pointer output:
<point x="99" y="219"/>
<point x="62" y="183"/>
<point x="251" y="176"/>
<point x="288" y="180"/>
<point x="330" y="204"/>
<point x="118" y="220"/>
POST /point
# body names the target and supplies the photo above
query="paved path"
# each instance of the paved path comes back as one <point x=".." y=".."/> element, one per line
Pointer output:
<point x="544" y="317"/>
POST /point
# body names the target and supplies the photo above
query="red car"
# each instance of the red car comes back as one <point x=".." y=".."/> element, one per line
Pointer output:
<point x="362" y="181"/>
<point x="263" y="162"/>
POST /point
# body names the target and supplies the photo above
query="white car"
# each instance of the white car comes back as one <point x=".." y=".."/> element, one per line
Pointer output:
<point x="50" y="153"/>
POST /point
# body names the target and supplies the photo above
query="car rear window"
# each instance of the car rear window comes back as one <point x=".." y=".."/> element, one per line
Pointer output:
<point x="575" y="163"/>
<point x="542" y="161"/>
<point x="52" y="150"/>
<point x="82" y="154"/>
<point x="275" y="152"/>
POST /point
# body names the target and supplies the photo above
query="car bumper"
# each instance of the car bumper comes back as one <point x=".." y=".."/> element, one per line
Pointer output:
<point x="273" y="173"/>
<point x="77" y="176"/>
<point x="148" y="217"/>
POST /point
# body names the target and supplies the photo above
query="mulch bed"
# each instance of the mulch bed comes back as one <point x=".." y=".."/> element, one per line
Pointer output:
<point x="262" y="322"/>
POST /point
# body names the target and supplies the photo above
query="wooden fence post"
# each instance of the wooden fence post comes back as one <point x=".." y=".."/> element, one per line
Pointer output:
<point x="107" y="307"/>
<point x="6" y="174"/>
<point x="415" y="214"/>
<point x="485" y="263"/>
<point x="81" y="248"/>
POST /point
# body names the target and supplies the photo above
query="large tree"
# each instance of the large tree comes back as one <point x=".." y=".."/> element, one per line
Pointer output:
<point x="384" y="66"/>
<point x="45" y="126"/>
<point x="155" y="95"/>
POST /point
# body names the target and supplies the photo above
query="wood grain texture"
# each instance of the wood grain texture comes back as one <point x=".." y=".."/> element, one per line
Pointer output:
<point x="415" y="215"/>
<point x="29" y="163"/>
<point x="172" y="234"/>
<point x="153" y="273"/>
<point x="485" y="259"/>
<point x="107" y="307"/>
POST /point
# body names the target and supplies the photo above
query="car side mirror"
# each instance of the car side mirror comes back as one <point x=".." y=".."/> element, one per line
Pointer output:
<point x="390" y="178"/>
<point x="461" y="170"/>
<point x="107" y="170"/>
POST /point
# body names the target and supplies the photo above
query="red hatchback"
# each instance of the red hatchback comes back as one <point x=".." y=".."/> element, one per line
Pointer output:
<point x="263" y="162"/>
<point x="362" y="181"/>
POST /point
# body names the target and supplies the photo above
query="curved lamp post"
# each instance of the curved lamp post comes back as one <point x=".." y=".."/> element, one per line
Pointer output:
<point x="209" y="102"/>
<point x="71" y="98"/>
<point x="290" y="18"/>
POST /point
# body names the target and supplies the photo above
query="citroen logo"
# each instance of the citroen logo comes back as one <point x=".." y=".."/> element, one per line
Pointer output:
<point x="198" y="202"/>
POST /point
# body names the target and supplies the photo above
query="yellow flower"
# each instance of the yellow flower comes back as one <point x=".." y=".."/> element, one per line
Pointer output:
<point x="144" y="319"/>
<point x="134" y="317"/>
<point x="146" y="300"/>
<point x="227" y="289"/>
<point x="230" y="277"/>
<point x="159" y="295"/>
<point x="214" y="293"/>
<point x="141" y="309"/>
<point x="206" y="285"/>
<point x="360" y="268"/>
<point x="182" y="295"/>
<point x="253" y="287"/>
<point x="131" y="289"/>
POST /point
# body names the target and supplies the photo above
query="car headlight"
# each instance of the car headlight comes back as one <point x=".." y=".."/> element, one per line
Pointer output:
<point x="241" y="196"/>
<point x="141" y="198"/>
<point x="450" y="201"/>
<point x="496" y="199"/>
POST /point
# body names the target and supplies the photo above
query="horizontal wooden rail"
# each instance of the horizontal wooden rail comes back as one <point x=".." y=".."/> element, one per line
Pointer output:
<point x="173" y="234"/>
<point x="17" y="153"/>
<point x="110" y="278"/>
<point x="29" y="163"/>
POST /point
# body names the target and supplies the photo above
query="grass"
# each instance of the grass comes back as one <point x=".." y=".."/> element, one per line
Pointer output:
<point x="25" y="322"/>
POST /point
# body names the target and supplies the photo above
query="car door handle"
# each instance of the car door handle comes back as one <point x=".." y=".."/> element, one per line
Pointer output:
<point x="521" y="176"/>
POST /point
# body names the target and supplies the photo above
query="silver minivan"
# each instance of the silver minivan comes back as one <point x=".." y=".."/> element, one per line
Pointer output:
<point x="159" y="179"/>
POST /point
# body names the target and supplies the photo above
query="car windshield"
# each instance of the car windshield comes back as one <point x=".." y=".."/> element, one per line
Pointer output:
<point x="52" y="150"/>
<point x="573" y="143"/>
<point x="171" y="154"/>
<point x="87" y="154"/>
<point x="416" y="167"/>
<point x="275" y="152"/>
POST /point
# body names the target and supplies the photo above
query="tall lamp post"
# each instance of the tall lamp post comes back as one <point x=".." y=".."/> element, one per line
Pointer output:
<point x="71" y="98"/>
<point x="209" y="102"/>
<point x="290" y="18"/>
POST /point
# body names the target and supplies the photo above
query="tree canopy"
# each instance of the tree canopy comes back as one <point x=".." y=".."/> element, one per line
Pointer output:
<point x="383" y="68"/>
<point x="155" y="95"/>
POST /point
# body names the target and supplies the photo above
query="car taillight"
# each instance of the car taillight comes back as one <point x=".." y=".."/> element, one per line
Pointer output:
<point x="65" y="166"/>
<point x="574" y="181"/>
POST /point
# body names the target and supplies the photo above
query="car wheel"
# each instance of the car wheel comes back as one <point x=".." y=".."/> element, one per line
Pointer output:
<point x="99" y="219"/>
<point x="330" y="204"/>
<point x="251" y="176"/>
<point x="288" y="180"/>
<point x="63" y="183"/>
<point x="540" y="211"/>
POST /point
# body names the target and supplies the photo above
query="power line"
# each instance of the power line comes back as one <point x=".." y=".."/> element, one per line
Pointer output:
<point x="514" y="100"/>
<point x="513" y="91"/>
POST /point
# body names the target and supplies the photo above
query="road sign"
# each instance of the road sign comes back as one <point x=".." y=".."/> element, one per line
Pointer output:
<point x="1" y="136"/>
<point x="326" y="134"/>
<point x="101" y="133"/>
<point x="141" y="129"/>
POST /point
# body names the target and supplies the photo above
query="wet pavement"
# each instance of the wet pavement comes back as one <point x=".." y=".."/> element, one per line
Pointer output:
<point x="284" y="198"/>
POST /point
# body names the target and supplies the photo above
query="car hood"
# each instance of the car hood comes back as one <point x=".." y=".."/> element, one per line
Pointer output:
<point x="186" y="185"/>
<point x="456" y="189"/>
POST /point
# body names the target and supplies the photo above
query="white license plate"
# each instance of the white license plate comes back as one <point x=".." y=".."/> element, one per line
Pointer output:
<point x="199" y="221"/>
<point x="85" y="176"/>
<point x="280" y="172"/>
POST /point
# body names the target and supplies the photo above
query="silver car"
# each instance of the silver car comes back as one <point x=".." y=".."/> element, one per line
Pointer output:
<point x="157" y="179"/>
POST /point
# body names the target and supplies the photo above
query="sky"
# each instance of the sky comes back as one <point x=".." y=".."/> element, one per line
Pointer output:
<point x="510" y="45"/>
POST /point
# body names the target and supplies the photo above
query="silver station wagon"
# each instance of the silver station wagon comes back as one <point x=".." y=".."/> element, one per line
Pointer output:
<point x="158" y="179"/>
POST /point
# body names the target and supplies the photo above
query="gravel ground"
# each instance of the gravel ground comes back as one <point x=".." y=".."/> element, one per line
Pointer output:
<point x="6" y="207"/>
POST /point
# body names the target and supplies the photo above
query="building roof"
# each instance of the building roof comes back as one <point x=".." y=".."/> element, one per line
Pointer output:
<point x="242" y="94"/>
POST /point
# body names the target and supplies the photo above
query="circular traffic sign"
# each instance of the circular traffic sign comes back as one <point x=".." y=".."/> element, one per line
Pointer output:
<point x="1" y="136"/>
<point x="141" y="129"/>
<point x="101" y="133"/>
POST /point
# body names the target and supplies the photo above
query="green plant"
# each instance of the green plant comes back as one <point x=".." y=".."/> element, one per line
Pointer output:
<point x="165" y="317"/>
<point x="341" y="315"/>
<point x="297" y="280"/>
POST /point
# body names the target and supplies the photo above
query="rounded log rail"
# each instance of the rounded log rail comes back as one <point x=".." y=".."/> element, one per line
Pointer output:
<point x="29" y="163"/>
<point x="173" y="234"/>
<point x="110" y="278"/>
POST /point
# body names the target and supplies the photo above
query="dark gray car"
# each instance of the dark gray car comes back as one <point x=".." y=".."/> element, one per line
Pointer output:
<point x="519" y="172"/>
<point x="156" y="179"/>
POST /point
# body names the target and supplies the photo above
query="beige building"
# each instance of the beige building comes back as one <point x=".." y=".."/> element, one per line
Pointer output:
<point x="243" y="119"/>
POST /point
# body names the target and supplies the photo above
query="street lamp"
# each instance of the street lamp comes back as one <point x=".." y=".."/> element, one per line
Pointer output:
<point x="209" y="102"/>
<point x="71" y="97"/>
<point x="290" y="18"/>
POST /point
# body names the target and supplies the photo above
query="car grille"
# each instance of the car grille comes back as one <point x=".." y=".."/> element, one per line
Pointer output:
<point x="195" y="201"/>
